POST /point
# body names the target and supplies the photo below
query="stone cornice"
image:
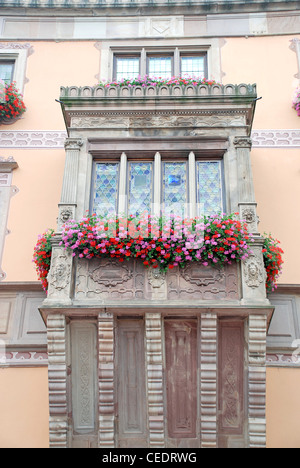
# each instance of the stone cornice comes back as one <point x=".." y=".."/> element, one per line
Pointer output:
<point x="86" y="106"/>
<point x="7" y="165"/>
<point x="142" y="7"/>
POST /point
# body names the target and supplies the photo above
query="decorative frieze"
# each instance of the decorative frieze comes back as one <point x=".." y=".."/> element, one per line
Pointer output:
<point x="41" y="139"/>
<point x="32" y="139"/>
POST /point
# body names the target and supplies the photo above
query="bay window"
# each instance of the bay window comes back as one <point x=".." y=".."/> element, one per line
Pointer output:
<point x="159" y="185"/>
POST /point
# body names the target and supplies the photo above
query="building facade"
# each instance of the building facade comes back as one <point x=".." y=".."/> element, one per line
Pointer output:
<point x="116" y="354"/>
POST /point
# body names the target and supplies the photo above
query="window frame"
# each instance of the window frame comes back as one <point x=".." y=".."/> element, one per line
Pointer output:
<point x="194" y="54"/>
<point x="17" y="53"/>
<point x="157" y="160"/>
<point x="10" y="62"/>
<point x="115" y="61"/>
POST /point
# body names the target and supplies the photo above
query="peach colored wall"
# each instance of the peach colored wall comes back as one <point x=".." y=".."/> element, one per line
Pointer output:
<point x="52" y="65"/>
<point x="33" y="209"/>
<point x="24" y="408"/>
<point x="276" y="174"/>
<point x="283" y="408"/>
<point x="272" y="65"/>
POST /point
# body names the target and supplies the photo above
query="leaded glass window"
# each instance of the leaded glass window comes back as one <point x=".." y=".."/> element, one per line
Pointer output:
<point x="105" y="201"/>
<point x="140" y="187"/>
<point x="127" y="68"/>
<point x="193" y="65"/>
<point x="209" y="187"/>
<point x="175" y="187"/>
<point x="160" y="67"/>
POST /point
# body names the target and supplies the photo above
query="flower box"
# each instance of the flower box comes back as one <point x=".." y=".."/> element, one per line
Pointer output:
<point x="12" y="106"/>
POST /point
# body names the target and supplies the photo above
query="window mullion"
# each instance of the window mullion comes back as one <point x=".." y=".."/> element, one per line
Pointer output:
<point x="192" y="185"/>
<point x="122" y="205"/>
<point x="157" y="185"/>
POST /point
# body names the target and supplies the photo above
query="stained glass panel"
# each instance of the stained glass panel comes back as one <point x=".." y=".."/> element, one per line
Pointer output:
<point x="174" y="187"/>
<point x="106" y="189"/>
<point x="140" y="187"/>
<point x="209" y="187"/>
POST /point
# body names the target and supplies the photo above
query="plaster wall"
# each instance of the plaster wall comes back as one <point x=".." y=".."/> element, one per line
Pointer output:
<point x="24" y="408"/>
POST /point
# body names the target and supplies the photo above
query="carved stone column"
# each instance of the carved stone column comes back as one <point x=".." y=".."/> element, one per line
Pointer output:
<point x="253" y="271"/>
<point x="246" y="196"/>
<point x="57" y="380"/>
<point x="68" y="201"/>
<point x="106" y="345"/>
<point x="155" y="379"/>
<point x="208" y="385"/>
<point x="257" y="380"/>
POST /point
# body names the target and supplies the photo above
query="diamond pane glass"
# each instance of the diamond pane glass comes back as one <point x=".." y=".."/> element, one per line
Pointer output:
<point x="209" y="187"/>
<point x="174" y="187"/>
<point x="140" y="187"/>
<point x="106" y="189"/>
<point x="193" y="66"/>
<point x="160" y="67"/>
<point x="127" y="68"/>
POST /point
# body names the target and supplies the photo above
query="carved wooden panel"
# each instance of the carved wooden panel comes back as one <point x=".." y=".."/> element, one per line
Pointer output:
<point x="231" y="377"/>
<point x="181" y="374"/>
<point x="83" y="365"/>
<point x="131" y="384"/>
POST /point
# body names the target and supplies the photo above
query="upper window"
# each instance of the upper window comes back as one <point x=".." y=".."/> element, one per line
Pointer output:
<point x="193" y="65"/>
<point x="186" y="187"/>
<point x="7" y="70"/>
<point x="126" y="67"/>
<point x="163" y="64"/>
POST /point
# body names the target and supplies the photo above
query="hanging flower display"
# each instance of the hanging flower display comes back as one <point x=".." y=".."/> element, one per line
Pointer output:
<point x="273" y="261"/>
<point x="11" y="103"/>
<point x="42" y="257"/>
<point x="296" y="101"/>
<point x="160" y="242"/>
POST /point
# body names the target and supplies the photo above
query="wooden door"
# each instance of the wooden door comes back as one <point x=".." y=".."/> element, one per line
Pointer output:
<point x="131" y="388"/>
<point x="181" y="383"/>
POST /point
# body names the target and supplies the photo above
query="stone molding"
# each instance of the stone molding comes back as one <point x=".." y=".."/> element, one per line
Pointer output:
<point x="44" y="139"/>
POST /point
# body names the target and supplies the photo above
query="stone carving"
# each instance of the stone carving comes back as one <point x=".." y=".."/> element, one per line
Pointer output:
<point x="242" y="142"/>
<point x="111" y="273"/>
<point x="66" y="214"/>
<point x="202" y="276"/>
<point x="156" y="278"/>
<point x="59" y="275"/>
<point x="203" y="282"/>
<point x="254" y="272"/>
<point x="73" y="143"/>
<point x="105" y="279"/>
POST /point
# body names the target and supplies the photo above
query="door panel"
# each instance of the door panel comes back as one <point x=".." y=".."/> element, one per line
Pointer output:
<point x="181" y="382"/>
<point x="131" y="384"/>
